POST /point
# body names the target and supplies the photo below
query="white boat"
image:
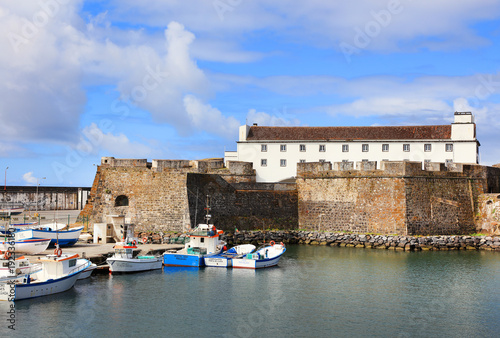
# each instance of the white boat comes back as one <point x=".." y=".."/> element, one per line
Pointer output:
<point x="262" y="258"/>
<point x="87" y="272"/>
<point x="9" y="209"/>
<point x="15" y="268"/>
<point x="225" y="259"/>
<point x="32" y="246"/>
<point x="123" y="260"/>
<point x="63" y="237"/>
<point x="59" y="273"/>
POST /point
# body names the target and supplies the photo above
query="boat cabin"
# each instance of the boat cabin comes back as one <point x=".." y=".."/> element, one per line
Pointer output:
<point x="124" y="251"/>
<point x="204" y="240"/>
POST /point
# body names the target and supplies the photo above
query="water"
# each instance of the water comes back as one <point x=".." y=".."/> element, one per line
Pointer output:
<point x="315" y="292"/>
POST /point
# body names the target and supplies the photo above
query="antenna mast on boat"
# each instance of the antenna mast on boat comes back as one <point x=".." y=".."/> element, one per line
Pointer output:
<point x="207" y="216"/>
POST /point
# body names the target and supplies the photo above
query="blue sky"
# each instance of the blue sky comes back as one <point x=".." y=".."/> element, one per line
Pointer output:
<point x="174" y="79"/>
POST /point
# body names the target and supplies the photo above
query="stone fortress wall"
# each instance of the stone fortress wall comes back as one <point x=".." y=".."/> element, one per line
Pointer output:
<point x="401" y="198"/>
<point x="170" y="195"/>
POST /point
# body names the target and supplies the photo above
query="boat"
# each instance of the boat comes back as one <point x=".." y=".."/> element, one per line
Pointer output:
<point x="264" y="257"/>
<point x="10" y="209"/>
<point x="58" y="274"/>
<point x="203" y="240"/>
<point x="65" y="238"/>
<point x="225" y="258"/>
<point x="15" y="268"/>
<point x="123" y="261"/>
<point x="87" y="272"/>
<point x="32" y="246"/>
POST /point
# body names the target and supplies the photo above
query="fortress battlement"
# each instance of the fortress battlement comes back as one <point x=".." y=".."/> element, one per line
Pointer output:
<point x="206" y="166"/>
<point x="391" y="169"/>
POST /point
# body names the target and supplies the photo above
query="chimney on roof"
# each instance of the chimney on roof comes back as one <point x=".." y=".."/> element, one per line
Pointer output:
<point x="255" y="124"/>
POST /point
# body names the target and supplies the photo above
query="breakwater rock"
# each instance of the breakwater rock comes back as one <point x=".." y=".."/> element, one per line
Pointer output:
<point x="403" y="243"/>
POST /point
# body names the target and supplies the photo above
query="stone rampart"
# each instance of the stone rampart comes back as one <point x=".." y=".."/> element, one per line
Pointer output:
<point x="488" y="215"/>
<point x="401" y="198"/>
<point x="169" y="195"/>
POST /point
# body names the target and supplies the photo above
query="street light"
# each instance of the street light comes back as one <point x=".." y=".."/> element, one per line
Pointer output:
<point x="5" y="186"/>
<point x="37" y="184"/>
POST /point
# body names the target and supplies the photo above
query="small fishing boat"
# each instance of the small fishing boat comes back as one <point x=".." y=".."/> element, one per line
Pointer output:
<point x="65" y="238"/>
<point x="32" y="246"/>
<point x="58" y="274"/>
<point x="87" y="272"/>
<point x="10" y="209"/>
<point x="203" y="241"/>
<point x="264" y="257"/>
<point x="15" y="268"/>
<point x="225" y="259"/>
<point x="123" y="260"/>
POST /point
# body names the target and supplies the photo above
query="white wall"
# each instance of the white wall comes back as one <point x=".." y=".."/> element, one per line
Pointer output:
<point x="463" y="152"/>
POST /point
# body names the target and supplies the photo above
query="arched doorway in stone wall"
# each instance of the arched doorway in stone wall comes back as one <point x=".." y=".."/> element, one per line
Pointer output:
<point x="121" y="201"/>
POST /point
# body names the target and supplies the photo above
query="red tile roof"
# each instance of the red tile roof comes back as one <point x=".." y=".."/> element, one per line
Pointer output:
<point x="257" y="133"/>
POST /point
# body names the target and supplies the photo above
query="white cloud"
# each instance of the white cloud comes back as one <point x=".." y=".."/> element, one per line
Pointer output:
<point x="387" y="25"/>
<point x="210" y="119"/>
<point x="95" y="140"/>
<point x="29" y="179"/>
<point x="264" y="119"/>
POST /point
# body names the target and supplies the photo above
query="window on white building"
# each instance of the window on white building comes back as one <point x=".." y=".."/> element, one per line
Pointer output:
<point x="263" y="162"/>
<point x="406" y="147"/>
<point x="427" y="147"/>
<point x="365" y="147"/>
<point x="283" y="147"/>
<point x="302" y="147"/>
<point x="449" y="147"/>
<point x="345" y="148"/>
<point x="322" y="147"/>
<point x="322" y="160"/>
<point x="282" y="163"/>
<point x="385" y="147"/>
<point x="263" y="147"/>
<point x="302" y="161"/>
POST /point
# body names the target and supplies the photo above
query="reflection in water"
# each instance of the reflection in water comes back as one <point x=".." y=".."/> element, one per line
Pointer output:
<point x="315" y="291"/>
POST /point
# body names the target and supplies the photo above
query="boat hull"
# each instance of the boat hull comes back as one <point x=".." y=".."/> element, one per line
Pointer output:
<point x="13" y="292"/>
<point x="243" y="263"/>
<point x="6" y="212"/>
<point x="125" y="265"/>
<point x="176" y="259"/>
<point x="218" y="261"/>
<point x="27" y="246"/>
<point x="87" y="272"/>
<point x="65" y="238"/>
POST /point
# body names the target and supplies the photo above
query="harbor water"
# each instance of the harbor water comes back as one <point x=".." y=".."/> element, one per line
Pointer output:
<point x="316" y="291"/>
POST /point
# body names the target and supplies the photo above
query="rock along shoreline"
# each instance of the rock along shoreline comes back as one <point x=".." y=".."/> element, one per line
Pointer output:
<point x="384" y="242"/>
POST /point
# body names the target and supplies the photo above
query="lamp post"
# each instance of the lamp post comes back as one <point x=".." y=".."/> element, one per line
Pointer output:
<point x="37" y="184"/>
<point x="5" y="186"/>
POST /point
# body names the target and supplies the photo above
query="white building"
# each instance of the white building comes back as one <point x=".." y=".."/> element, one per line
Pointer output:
<point x="275" y="151"/>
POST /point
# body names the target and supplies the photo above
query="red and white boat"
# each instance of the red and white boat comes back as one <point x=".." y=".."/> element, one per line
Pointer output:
<point x="31" y="246"/>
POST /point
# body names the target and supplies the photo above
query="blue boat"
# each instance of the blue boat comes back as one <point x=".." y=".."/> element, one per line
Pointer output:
<point x="65" y="238"/>
<point x="203" y="240"/>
